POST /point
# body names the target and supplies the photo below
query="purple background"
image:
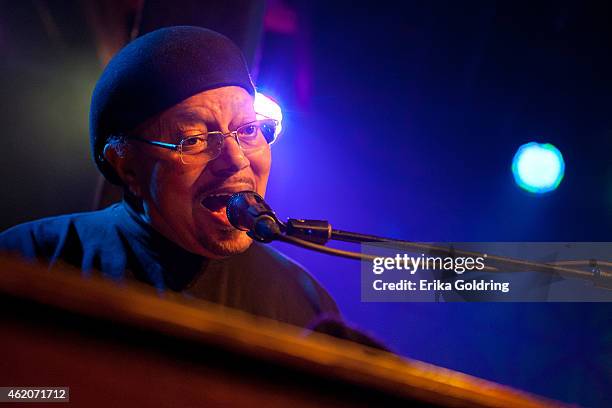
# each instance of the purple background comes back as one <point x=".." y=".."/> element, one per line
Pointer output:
<point x="402" y="121"/>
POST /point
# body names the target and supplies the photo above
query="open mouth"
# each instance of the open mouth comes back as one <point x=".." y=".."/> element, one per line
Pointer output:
<point x="216" y="202"/>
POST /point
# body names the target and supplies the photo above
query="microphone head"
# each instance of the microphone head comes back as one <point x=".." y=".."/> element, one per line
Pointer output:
<point x="244" y="207"/>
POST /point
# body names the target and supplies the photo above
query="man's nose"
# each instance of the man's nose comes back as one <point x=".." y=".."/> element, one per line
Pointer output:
<point x="231" y="158"/>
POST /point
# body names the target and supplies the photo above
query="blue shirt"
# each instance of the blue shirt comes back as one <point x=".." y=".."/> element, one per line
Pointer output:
<point x="118" y="244"/>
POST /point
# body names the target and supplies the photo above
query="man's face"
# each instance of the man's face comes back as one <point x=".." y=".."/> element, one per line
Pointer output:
<point x="182" y="201"/>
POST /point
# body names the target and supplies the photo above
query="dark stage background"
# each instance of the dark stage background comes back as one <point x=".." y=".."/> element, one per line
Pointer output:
<point x="401" y="120"/>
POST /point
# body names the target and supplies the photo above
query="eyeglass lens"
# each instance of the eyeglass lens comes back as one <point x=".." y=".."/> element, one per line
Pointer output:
<point x="251" y="138"/>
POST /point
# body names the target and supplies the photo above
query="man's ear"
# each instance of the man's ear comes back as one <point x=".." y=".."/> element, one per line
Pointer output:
<point x="118" y="155"/>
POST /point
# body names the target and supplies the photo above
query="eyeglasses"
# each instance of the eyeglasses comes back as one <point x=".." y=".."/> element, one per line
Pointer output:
<point x="251" y="137"/>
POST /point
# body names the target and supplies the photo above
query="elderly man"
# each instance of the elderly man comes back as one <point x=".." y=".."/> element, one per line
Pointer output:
<point x="172" y="121"/>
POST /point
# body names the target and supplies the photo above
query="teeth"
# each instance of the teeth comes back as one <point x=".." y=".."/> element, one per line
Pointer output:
<point x="216" y="196"/>
<point x="215" y="202"/>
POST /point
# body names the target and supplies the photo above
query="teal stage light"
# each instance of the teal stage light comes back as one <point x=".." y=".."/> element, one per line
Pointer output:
<point x="538" y="168"/>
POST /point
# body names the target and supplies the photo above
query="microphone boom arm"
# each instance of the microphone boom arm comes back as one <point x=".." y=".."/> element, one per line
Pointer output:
<point x="248" y="211"/>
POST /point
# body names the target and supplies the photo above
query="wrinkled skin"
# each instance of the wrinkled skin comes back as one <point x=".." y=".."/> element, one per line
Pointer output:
<point x="172" y="192"/>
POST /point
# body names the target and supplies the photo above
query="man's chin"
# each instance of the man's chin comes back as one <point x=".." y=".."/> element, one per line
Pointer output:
<point x="225" y="244"/>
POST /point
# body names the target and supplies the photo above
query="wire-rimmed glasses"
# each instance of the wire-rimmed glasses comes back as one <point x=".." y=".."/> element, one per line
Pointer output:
<point x="251" y="137"/>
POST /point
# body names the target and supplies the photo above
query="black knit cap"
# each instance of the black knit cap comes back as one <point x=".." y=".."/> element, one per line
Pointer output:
<point x="155" y="72"/>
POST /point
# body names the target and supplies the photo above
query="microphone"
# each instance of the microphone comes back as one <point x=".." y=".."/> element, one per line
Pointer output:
<point x="247" y="211"/>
